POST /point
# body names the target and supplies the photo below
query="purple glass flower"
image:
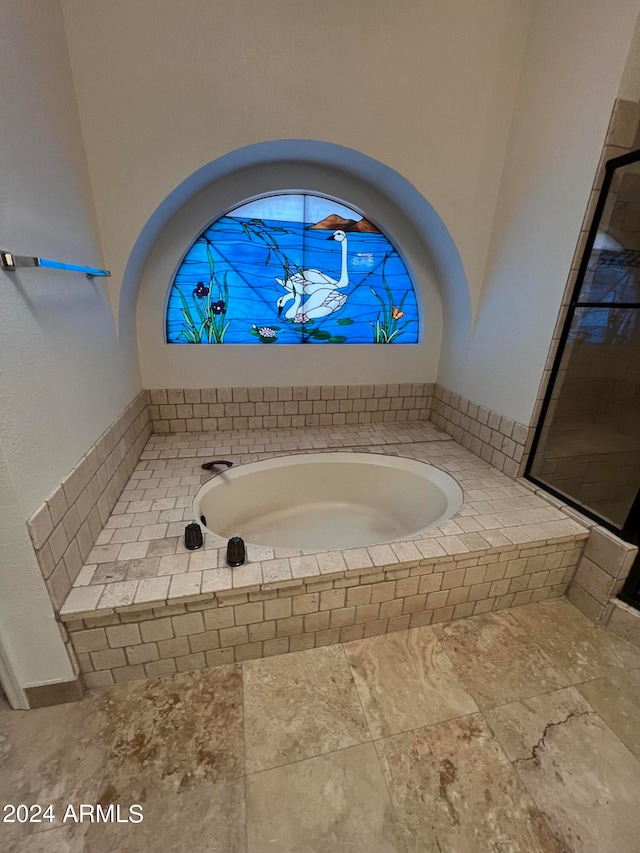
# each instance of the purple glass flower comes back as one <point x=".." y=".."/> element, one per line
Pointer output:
<point x="218" y="307"/>
<point x="201" y="291"/>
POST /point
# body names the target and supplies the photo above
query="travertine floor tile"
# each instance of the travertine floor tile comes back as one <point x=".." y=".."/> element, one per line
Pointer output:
<point x="169" y="735"/>
<point x="453" y="790"/>
<point x="617" y="699"/>
<point x="176" y="745"/>
<point x="335" y="803"/>
<point x="299" y="705"/>
<point x="497" y="660"/>
<point x="576" y="647"/>
<point x="577" y="771"/>
<point x="66" y="839"/>
<point x="50" y="756"/>
<point x="405" y="680"/>
<point x="208" y="820"/>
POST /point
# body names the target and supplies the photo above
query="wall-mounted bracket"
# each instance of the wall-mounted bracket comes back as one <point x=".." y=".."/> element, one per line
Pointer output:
<point x="10" y="263"/>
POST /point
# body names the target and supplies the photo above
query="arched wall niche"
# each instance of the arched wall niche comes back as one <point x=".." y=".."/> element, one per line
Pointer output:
<point x="327" y="169"/>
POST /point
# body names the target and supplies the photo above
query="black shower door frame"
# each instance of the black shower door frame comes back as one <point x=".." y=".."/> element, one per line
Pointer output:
<point x="631" y="529"/>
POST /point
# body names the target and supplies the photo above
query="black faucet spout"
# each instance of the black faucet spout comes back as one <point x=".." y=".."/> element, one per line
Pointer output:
<point x="208" y="466"/>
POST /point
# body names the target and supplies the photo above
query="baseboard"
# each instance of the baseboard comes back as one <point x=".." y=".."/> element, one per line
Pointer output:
<point x="57" y="693"/>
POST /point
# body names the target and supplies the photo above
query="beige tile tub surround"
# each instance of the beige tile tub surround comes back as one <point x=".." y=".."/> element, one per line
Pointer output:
<point x="497" y="439"/>
<point x="144" y="606"/>
<point x="65" y="527"/>
<point x="197" y="410"/>
<point x="142" y="539"/>
<point x="138" y="641"/>
<point x="601" y="573"/>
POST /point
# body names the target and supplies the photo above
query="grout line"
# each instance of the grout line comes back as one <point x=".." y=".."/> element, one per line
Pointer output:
<point x="364" y="716"/>
<point x="482" y="712"/>
<point x="532" y="696"/>
<point x="427" y="726"/>
<point x="302" y="450"/>
<point x="381" y="441"/>
<point x="610" y="728"/>
<point x="319" y="754"/>
<point x="515" y="770"/>
<point x="559" y="672"/>
<point x="514" y="763"/>
<point x="244" y="761"/>
<point x="315" y="755"/>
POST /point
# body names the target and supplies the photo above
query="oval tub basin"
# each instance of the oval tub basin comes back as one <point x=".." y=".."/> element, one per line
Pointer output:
<point x="327" y="501"/>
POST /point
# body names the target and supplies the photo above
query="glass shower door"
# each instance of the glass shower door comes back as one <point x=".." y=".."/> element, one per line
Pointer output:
<point x="587" y="445"/>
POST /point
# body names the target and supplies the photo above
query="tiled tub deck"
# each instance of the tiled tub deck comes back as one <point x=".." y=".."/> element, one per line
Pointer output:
<point x="145" y="606"/>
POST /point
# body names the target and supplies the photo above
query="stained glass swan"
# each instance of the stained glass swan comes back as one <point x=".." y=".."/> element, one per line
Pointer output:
<point x="310" y="279"/>
<point x="322" y="291"/>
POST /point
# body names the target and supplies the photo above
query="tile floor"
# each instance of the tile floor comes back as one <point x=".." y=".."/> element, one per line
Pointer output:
<point x="511" y="732"/>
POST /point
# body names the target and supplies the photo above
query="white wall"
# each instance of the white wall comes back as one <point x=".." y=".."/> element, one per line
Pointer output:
<point x="574" y="61"/>
<point x="436" y="92"/>
<point x="426" y="89"/>
<point x="63" y="374"/>
<point x="630" y="83"/>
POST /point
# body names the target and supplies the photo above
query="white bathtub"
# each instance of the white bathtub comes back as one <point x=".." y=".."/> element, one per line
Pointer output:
<point x="327" y="501"/>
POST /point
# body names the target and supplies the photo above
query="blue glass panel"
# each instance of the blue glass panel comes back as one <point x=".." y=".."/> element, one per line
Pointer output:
<point x="58" y="265"/>
<point x="292" y="269"/>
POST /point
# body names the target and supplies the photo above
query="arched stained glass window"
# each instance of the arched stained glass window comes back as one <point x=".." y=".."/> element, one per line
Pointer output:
<point x="291" y="269"/>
